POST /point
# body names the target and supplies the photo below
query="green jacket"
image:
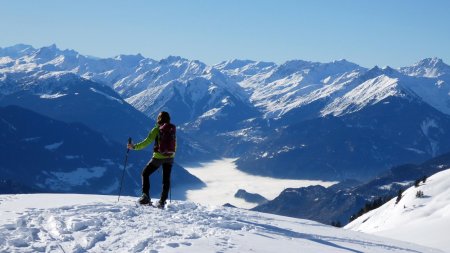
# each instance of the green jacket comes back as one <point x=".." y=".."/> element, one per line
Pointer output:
<point x="150" y="138"/>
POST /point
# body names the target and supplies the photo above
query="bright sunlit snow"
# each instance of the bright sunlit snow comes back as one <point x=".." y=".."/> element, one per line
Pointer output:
<point x="423" y="220"/>
<point x="95" y="223"/>
<point x="223" y="180"/>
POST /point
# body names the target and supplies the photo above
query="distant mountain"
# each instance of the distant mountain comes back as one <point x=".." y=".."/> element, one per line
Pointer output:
<point x="70" y="98"/>
<point x="333" y="120"/>
<point x="357" y="145"/>
<point x="340" y="201"/>
<point x="429" y="67"/>
<point x="67" y="97"/>
<point x="380" y="123"/>
<point x="41" y="154"/>
<point x="250" y="197"/>
<point x="325" y="205"/>
<point x="16" y="51"/>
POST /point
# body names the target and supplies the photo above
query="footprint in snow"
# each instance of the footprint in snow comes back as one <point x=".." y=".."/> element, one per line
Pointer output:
<point x="10" y="227"/>
<point x="173" y="245"/>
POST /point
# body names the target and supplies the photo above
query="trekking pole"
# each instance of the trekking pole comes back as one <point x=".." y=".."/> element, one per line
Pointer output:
<point x="123" y="172"/>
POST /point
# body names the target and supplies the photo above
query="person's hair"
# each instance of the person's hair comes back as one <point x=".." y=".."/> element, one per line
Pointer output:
<point x="163" y="117"/>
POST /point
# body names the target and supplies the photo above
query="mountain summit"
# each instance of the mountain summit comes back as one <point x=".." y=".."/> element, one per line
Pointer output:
<point x="429" y="67"/>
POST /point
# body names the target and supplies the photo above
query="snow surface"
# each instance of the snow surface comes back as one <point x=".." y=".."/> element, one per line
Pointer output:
<point x="54" y="145"/>
<point x="107" y="96"/>
<point x="66" y="180"/>
<point x="96" y="223"/>
<point x="223" y="180"/>
<point x="52" y="96"/>
<point x="420" y="220"/>
<point x="370" y="92"/>
<point x="426" y="126"/>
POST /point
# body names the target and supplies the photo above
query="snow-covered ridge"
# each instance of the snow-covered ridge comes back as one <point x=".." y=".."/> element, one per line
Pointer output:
<point x="429" y="67"/>
<point x="271" y="88"/>
<point x="95" y="223"/>
<point x="370" y="92"/>
<point x="423" y="220"/>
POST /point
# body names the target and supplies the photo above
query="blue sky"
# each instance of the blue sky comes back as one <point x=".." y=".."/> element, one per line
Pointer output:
<point x="382" y="32"/>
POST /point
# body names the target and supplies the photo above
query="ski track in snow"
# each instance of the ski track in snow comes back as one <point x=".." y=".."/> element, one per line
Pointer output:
<point x="182" y="227"/>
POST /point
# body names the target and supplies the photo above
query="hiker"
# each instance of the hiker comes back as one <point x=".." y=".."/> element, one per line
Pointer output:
<point x="164" y="136"/>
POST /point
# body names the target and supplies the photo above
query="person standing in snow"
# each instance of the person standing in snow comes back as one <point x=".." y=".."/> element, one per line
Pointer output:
<point x="164" y="137"/>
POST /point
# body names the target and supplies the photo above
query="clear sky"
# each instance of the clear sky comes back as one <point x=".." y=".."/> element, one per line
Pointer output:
<point x="379" y="32"/>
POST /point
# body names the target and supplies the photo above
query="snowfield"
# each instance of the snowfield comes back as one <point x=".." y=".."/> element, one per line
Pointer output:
<point x="96" y="223"/>
<point x="424" y="220"/>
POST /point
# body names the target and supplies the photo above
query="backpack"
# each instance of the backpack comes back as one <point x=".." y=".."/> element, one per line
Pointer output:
<point x="166" y="140"/>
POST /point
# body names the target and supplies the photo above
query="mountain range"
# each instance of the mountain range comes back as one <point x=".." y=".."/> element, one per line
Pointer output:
<point x="298" y="119"/>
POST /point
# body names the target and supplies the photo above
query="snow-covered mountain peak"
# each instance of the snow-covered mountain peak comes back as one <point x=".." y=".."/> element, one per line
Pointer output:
<point x="313" y="72"/>
<point x="429" y="67"/>
<point x="175" y="60"/>
<point x="240" y="71"/>
<point x="50" y="55"/>
<point x="341" y="61"/>
<point x="344" y="62"/>
<point x="292" y="66"/>
<point x="16" y="51"/>
<point x="178" y="67"/>
<point x="373" y="72"/>
<point x="53" y="49"/>
<point x="388" y="69"/>
<point x="378" y="71"/>
<point x="129" y="59"/>
<point x="129" y="56"/>
<point x="17" y="47"/>
<point x="233" y="64"/>
<point x="430" y="62"/>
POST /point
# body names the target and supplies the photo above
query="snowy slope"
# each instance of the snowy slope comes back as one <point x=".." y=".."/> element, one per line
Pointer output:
<point x="94" y="223"/>
<point x="370" y="92"/>
<point x="421" y="220"/>
<point x="429" y="67"/>
<point x="279" y="89"/>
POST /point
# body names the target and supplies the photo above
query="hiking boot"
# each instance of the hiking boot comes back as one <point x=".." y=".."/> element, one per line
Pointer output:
<point x="144" y="199"/>
<point x="161" y="205"/>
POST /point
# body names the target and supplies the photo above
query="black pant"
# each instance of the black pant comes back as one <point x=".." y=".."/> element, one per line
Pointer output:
<point x="151" y="167"/>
